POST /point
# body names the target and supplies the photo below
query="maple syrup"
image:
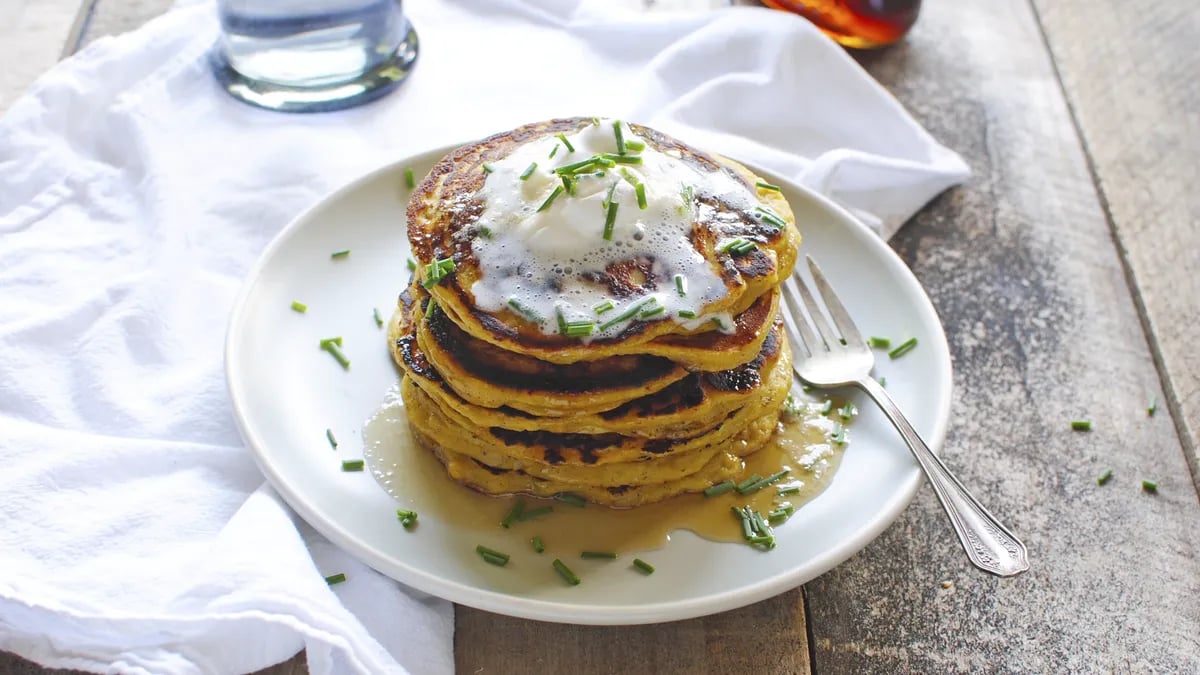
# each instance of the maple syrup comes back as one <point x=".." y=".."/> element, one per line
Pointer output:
<point x="859" y="24"/>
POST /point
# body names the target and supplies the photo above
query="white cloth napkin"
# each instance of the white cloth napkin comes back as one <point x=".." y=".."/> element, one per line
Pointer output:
<point x="136" y="534"/>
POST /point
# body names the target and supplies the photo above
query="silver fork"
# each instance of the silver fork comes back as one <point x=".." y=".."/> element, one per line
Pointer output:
<point x="826" y="361"/>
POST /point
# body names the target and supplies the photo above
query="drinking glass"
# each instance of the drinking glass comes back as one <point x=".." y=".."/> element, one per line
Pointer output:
<point x="312" y="55"/>
<point x="860" y="24"/>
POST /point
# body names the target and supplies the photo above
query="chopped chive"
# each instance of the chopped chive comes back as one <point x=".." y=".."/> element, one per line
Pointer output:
<point x="562" y="321"/>
<point x="338" y="255"/>
<point x="630" y="178"/>
<point x="687" y="314"/>
<point x="620" y="137"/>
<point x="848" y="411"/>
<point x="580" y="328"/>
<point x="410" y="179"/>
<point x="571" y="498"/>
<point x="608" y="198"/>
<point x="1152" y="408"/>
<point x="904" y="348"/>
<point x="514" y="513"/>
<point x="412" y="264"/>
<point x="569" y="182"/>
<point x="335" y="578"/>
<point x="640" y="191"/>
<point x="623" y="316"/>
<point x="436" y="271"/>
<point x="329" y="437"/>
<point x="635" y="145"/>
<point x="719" y="489"/>
<point x="553" y="151"/>
<point x="839" y="435"/>
<point x="335" y="350"/>
<point x="1104" y="477"/>
<point x="1149" y="486"/>
<point x="652" y="311"/>
<point x="558" y="190"/>
<point x="761" y="483"/>
<point x="534" y="513"/>
<point x="570" y="148"/>
<point x="610" y="218"/>
<point x="595" y="121"/>
<point x="826" y="406"/>
<point x="333" y="340"/>
<point x="565" y="572"/>
<point x="430" y="307"/>
<point x="407" y="518"/>
<point x="644" y="566"/>
<point x="719" y="322"/>
<point x="378" y="317"/>
<point x="528" y="171"/>
<point x="767" y="186"/>
<point x="484" y="231"/>
<point x="689" y="196"/>
<point x="880" y="342"/>
<point x="780" y="514"/>
<point x="492" y="556"/>
<point x="754" y="478"/>
<point x="524" y="312"/>
<point x="771" y="217"/>
<point x="747" y="523"/>
<point x="602" y="307"/>
<point x="598" y="555"/>
<point x="352" y="465"/>
<point x="883" y="381"/>
<point x="622" y="159"/>
<point x="487" y="168"/>
<point x="537" y="544"/>
<point x="1081" y="425"/>
<point x="789" y="490"/>
<point x="738" y="247"/>
<point x="680" y="285"/>
<point x="299" y="306"/>
<point x="581" y="166"/>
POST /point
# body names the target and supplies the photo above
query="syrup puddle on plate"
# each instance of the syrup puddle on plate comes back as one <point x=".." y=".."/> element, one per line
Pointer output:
<point x="418" y="482"/>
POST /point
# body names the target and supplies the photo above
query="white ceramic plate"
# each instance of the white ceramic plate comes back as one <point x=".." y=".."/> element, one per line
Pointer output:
<point x="286" y="392"/>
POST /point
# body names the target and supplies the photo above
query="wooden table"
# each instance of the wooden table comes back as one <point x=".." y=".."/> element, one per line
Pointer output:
<point x="1065" y="272"/>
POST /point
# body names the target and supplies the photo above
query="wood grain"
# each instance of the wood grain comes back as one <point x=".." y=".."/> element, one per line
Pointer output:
<point x="1021" y="266"/>
<point x="1129" y="71"/>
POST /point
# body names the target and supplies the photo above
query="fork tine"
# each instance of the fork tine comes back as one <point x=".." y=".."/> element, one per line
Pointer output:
<point x="841" y="318"/>
<point x="797" y="327"/>
<point x="814" y="312"/>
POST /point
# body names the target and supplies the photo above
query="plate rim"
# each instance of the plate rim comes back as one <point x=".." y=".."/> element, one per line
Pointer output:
<point x="554" y="611"/>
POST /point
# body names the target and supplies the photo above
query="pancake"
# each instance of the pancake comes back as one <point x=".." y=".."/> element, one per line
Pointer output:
<point x="444" y="225"/>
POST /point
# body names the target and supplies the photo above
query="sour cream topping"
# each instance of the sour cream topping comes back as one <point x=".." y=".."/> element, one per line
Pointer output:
<point x="541" y="245"/>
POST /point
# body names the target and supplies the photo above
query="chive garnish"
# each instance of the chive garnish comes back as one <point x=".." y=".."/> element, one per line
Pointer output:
<point x="487" y="168"/>
<point x="598" y="555"/>
<point x="635" y="145"/>
<point x="767" y="186"/>
<point x="761" y="483"/>
<point x="839" y="435"/>
<point x="524" y="312"/>
<point x="826" y="406"/>
<point x="571" y="498"/>
<point x="789" y="490"/>
<point x="1104" y="477"/>
<point x="378" y="318"/>
<point x="719" y="489"/>
<point x="1081" y="425"/>
<point x="298" y="306"/>
<point x="680" y="285"/>
<point x="570" y="148"/>
<point x="407" y="518"/>
<point x="848" y="411"/>
<point x="569" y="183"/>
<point x="338" y="255"/>
<point x="688" y="193"/>
<point x="738" y="247"/>
<point x="623" y="316"/>
<point x="595" y="121"/>
<point x="553" y="151"/>
<point x="781" y="514"/>
<point x="430" y="307"/>
<point x="565" y="572"/>
<point x="880" y="342"/>
<point x="558" y="190"/>
<point x="484" y="231"/>
<point x="622" y="159"/>
<point x="436" y="271"/>
<point x="1152" y="408"/>
<point x="492" y="556"/>
<point x="645" y="567"/>
<point x="352" y="465"/>
<point x="528" y="171"/>
<point x="537" y="544"/>
<point x="602" y="307"/>
<point x="904" y="348"/>
<point x="514" y="513"/>
<point x="335" y="578"/>
<point x="755" y="528"/>
<point x="608" y="198"/>
<point x="652" y="311"/>
<point x="410" y="179"/>
<point x="771" y="217"/>
<point x="754" y="478"/>
<point x="534" y="513"/>
<point x="580" y="328"/>
<point x="747" y="524"/>
<point x="640" y="191"/>
<point x="687" y="314"/>
<point x="329" y="437"/>
<point x="719" y="323"/>
<point x="610" y="218"/>
<point x="412" y="264"/>
<point x="583" y="165"/>
<point x="883" y="381"/>
<point x="1149" y="486"/>
<point x="620" y="137"/>
<point x="333" y="346"/>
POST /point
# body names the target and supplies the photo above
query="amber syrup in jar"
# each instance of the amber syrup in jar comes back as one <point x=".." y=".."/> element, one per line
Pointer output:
<point x="859" y="24"/>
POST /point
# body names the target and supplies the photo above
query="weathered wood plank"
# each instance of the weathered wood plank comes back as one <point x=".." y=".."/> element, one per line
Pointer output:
<point x="1129" y="71"/>
<point x="1021" y="266"/>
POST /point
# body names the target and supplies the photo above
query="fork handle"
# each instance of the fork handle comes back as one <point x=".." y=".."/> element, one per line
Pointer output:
<point x="987" y="543"/>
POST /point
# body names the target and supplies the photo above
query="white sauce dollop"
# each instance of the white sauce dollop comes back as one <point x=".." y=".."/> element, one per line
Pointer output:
<point x="539" y="261"/>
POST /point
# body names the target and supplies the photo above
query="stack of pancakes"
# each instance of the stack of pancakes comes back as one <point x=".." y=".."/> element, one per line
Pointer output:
<point x="621" y="420"/>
